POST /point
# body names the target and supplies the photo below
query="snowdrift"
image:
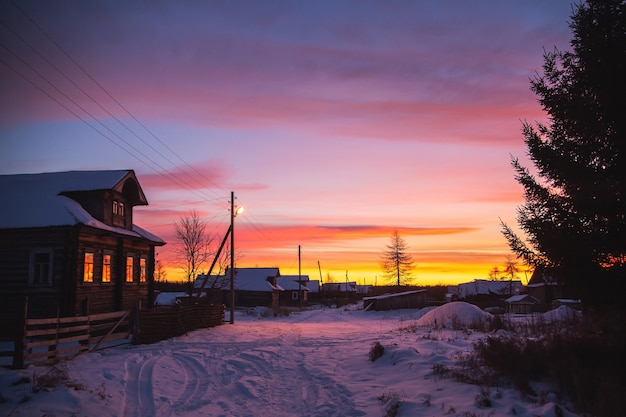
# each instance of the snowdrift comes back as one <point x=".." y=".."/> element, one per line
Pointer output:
<point x="455" y="315"/>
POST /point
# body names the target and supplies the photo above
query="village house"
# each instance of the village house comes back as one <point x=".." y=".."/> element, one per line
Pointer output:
<point x="521" y="304"/>
<point x="253" y="286"/>
<point x="69" y="244"/>
<point x="258" y="287"/>
<point x="484" y="291"/>
<point x="295" y="290"/>
<point x="544" y="287"/>
<point x="396" y="301"/>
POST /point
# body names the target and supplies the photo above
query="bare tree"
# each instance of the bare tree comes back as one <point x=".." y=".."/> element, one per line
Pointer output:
<point x="194" y="245"/>
<point x="511" y="269"/>
<point x="397" y="264"/>
<point x="160" y="274"/>
<point x="494" y="274"/>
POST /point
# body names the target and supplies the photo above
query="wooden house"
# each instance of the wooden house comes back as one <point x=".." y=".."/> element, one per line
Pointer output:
<point x="253" y="287"/>
<point x="544" y="286"/>
<point x="396" y="301"/>
<point x="521" y="304"/>
<point x="295" y="290"/>
<point x="68" y="243"/>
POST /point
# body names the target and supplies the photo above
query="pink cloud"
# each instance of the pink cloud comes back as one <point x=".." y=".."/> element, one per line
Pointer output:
<point x="210" y="174"/>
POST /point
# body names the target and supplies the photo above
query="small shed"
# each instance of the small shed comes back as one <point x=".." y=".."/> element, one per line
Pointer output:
<point x="397" y="301"/>
<point x="521" y="304"/>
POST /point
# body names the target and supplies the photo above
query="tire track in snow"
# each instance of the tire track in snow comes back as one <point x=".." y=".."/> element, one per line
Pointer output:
<point x="276" y="376"/>
<point x="140" y="387"/>
<point x="193" y="396"/>
<point x="139" y="395"/>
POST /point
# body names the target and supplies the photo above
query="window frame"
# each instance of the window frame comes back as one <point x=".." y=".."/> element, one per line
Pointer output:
<point x="89" y="266"/>
<point x="130" y="257"/>
<point x="143" y="269"/>
<point x="107" y="269"/>
<point x="33" y="271"/>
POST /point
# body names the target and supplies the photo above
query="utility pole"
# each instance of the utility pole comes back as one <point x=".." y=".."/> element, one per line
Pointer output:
<point x="232" y="257"/>
<point x="300" y="292"/>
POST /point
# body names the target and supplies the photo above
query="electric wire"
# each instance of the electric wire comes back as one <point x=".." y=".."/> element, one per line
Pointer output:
<point x="103" y="89"/>
<point x="18" y="36"/>
<point x="162" y="171"/>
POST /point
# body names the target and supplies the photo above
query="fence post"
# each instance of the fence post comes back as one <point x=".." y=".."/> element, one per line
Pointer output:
<point x="20" y="338"/>
<point x="136" y="322"/>
<point x="53" y="348"/>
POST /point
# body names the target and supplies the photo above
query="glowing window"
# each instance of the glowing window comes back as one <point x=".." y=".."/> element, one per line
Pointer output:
<point x="129" y="269"/>
<point x="142" y="270"/>
<point x="106" y="268"/>
<point x="88" y="267"/>
<point x="115" y="207"/>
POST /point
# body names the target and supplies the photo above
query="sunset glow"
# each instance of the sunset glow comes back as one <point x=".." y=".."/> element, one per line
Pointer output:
<point x="334" y="123"/>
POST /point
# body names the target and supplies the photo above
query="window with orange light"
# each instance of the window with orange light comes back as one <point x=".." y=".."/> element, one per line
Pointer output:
<point x="129" y="269"/>
<point x="88" y="267"/>
<point x="142" y="270"/>
<point x="106" y="268"/>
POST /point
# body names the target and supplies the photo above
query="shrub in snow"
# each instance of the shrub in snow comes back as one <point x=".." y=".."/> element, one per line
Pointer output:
<point x="376" y="351"/>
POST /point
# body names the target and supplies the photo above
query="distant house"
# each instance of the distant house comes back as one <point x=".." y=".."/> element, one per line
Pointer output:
<point x="68" y="243"/>
<point x="521" y="304"/>
<point x="253" y="286"/>
<point x="396" y="301"/>
<point x="484" y="290"/>
<point x="340" y="287"/>
<point x="295" y="290"/>
<point x="544" y="286"/>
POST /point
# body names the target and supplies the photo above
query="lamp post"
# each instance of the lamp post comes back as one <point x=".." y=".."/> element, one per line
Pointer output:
<point x="233" y="214"/>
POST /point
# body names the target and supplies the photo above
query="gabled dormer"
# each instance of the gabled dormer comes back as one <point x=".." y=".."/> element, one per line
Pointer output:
<point x="113" y="204"/>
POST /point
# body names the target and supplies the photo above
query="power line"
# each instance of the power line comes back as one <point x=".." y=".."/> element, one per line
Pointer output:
<point x="178" y="182"/>
<point x="156" y="167"/>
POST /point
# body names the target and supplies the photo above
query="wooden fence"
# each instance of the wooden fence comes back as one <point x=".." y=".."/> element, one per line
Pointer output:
<point x="45" y="341"/>
<point x="166" y="322"/>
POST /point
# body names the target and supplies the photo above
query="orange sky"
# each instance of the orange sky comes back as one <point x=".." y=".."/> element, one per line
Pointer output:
<point x="335" y="123"/>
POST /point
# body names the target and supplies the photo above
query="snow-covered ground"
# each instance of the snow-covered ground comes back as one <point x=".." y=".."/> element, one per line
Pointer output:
<point x="311" y="363"/>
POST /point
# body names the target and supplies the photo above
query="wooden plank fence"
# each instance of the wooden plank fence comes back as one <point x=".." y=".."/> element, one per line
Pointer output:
<point x="45" y="341"/>
<point x="166" y="322"/>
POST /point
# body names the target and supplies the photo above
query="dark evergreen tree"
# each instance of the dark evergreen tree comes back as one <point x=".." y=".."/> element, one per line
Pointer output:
<point x="575" y="208"/>
<point x="397" y="264"/>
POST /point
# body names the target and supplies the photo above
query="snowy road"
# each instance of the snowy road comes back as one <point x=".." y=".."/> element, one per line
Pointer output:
<point x="277" y="372"/>
<point x="312" y="363"/>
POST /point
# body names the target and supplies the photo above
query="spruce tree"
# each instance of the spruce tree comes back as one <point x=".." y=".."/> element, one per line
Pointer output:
<point x="574" y="210"/>
<point x="397" y="263"/>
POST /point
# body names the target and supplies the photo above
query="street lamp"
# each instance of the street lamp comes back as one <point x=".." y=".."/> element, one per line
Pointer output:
<point x="233" y="214"/>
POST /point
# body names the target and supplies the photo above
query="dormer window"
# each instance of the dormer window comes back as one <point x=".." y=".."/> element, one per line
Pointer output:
<point x="118" y="208"/>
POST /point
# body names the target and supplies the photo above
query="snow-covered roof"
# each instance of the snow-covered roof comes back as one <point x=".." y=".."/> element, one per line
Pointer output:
<point x="391" y="295"/>
<point x="169" y="298"/>
<point x="37" y="200"/>
<point x="254" y="279"/>
<point x="521" y="298"/>
<point x="481" y="286"/>
<point x="290" y="282"/>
